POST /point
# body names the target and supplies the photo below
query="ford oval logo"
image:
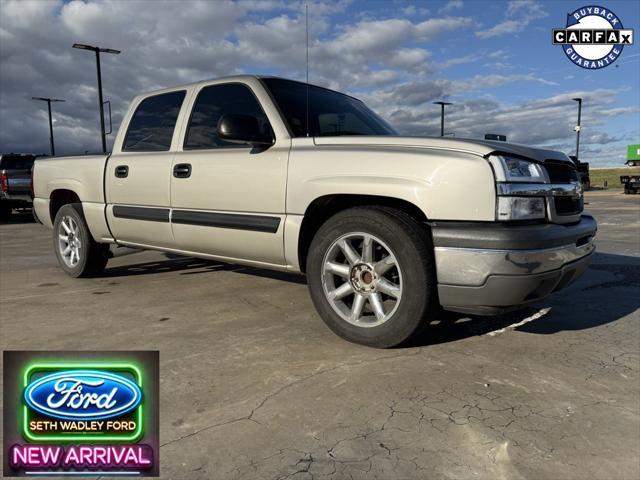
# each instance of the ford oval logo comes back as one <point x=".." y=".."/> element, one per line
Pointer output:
<point x="82" y="395"/>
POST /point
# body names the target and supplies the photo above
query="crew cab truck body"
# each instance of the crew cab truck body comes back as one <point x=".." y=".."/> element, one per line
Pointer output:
<point x="386" y="228"/>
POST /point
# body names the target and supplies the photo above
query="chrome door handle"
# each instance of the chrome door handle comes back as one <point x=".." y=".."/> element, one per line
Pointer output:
<point x="122" y="171"/>
<point x="182" y="170"/>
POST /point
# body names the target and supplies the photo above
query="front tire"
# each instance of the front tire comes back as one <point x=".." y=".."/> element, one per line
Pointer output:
<point x="78" y="253"/>
<point x="371" y="275"/>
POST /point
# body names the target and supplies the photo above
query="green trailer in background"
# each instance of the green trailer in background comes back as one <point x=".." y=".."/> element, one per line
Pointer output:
<point x="633" y="155"/>
<point x="632" y="182"/>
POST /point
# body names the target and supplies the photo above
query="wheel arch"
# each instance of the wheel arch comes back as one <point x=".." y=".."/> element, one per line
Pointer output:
<point x="326" y="206"/>
<point x="59" y="198"/>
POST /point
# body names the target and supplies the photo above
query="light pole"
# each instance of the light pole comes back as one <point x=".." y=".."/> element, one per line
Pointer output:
<point x="97" y="50"/>
<point x="49" y="100"/>
<point x="442" y="104"/>
<point x="577" y="128"/>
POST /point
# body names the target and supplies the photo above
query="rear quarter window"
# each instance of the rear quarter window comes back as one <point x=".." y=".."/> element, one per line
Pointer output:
<point x="152" y="125"/>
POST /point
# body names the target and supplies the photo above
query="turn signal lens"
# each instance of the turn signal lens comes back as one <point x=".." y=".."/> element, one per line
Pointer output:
<point x="520" y="208"/>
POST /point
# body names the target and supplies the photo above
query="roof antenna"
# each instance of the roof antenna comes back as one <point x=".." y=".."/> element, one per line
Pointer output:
<point x="306" y="18"/>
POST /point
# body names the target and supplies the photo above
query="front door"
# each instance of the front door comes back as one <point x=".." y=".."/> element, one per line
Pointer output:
<point x="138" y="175"/>
<point x="228" y="200"/>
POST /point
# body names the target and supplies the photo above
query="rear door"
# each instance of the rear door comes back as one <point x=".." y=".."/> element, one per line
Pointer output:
<point x="138" y="173"/>
<point x="228" y="200"/>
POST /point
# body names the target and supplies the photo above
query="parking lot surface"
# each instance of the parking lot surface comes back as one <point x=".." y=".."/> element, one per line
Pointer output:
<point x="253" y="385"/>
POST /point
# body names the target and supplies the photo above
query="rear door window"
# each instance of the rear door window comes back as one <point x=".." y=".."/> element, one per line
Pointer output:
<point x="151" y="128"/>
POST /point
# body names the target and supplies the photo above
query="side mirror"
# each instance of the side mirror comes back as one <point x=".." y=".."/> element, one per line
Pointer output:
<point x="237" y="128"/>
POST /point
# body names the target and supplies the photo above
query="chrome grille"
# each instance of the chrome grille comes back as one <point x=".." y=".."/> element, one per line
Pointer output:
<point x="564" y="172"/>
<point x="568" y="205"/>
<point x="561" y="172"/>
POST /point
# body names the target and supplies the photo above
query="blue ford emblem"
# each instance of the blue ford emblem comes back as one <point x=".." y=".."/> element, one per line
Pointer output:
<point x="82" y="395"/>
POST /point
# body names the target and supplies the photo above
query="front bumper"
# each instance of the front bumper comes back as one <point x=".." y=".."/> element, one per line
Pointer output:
<point x="486" y="268"/>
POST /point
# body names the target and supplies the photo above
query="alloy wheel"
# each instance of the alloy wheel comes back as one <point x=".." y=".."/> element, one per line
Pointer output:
<point x="362" y="279"/>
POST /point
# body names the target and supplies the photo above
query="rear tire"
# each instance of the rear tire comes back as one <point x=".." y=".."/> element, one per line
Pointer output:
<point x="5" y="211"/>
<point x="378" y="295"/>
<point x="78" y="253"/>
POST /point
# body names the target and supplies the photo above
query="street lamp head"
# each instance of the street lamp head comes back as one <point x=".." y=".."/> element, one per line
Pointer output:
<point x="48" y="99"/>
<point x="82" y="46"/>
<point x="443" y="103"/>
<point x="577" y="99"/>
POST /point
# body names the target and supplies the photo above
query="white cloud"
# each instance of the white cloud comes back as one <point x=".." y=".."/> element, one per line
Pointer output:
<point x="545" y="122"/>
<point x="412" y="10"/>
<point x="179" y="42"/>
<point x="460" y="60"/>
<point x="410" y="58"/>
<point x="388" y="61"/>
<point x="452" y="5"/>
<point x="519" y="14"/>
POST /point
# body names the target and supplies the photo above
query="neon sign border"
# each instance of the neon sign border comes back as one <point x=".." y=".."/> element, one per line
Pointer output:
<point x="129" y="367"/>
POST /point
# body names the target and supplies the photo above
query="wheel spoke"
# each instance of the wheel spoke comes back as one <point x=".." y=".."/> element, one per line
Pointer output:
<point x="384" y="265"/>
<point x="367" y="249"/>
<point x="338" y="269"/>
<point x="391" y="289"/>
<point x="376" y="304"/>
<point x="341" y="292"/>
<point x="349" y="252"/>
<point x="358" y="304"/>
<point x="63" y="238"/>
<point x="66" y="250"/>
<point x="65" y="227"/>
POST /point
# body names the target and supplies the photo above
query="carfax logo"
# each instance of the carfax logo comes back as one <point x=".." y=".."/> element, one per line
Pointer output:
<point x="86" y="416"/>
<point x="593" y="38"/>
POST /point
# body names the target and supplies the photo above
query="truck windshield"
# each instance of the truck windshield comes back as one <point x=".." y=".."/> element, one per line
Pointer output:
<point x="330" y="113"/>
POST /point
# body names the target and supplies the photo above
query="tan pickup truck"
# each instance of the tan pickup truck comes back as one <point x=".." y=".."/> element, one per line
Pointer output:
<point x="283" y="175"/>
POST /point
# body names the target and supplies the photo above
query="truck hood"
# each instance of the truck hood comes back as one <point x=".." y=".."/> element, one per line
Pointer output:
<point x="477" y="147"/>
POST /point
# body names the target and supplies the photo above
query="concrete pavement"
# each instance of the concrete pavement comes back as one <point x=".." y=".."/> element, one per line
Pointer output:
<point x="254" y="386"/>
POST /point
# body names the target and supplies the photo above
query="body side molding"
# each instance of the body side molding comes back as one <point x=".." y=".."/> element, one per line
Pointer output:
<point x="141" y="213"/>
<point x="256" y="223"/>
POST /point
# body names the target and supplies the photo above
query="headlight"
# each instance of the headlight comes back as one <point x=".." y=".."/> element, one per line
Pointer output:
<point x="513" y="169"/>
<point x="520" y="208"/>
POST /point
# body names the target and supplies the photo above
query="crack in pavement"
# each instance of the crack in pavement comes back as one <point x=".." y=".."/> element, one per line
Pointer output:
<point x="249" y="417"/>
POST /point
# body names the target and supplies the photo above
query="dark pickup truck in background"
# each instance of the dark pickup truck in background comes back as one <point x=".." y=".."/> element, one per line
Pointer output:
<point x="15" y="183"/>
<point x="631" y="183"/>
<point x="583" y="171"/>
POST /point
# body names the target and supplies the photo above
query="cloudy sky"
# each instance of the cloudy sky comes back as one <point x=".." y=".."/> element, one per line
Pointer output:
<point x="494" y="60"/>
